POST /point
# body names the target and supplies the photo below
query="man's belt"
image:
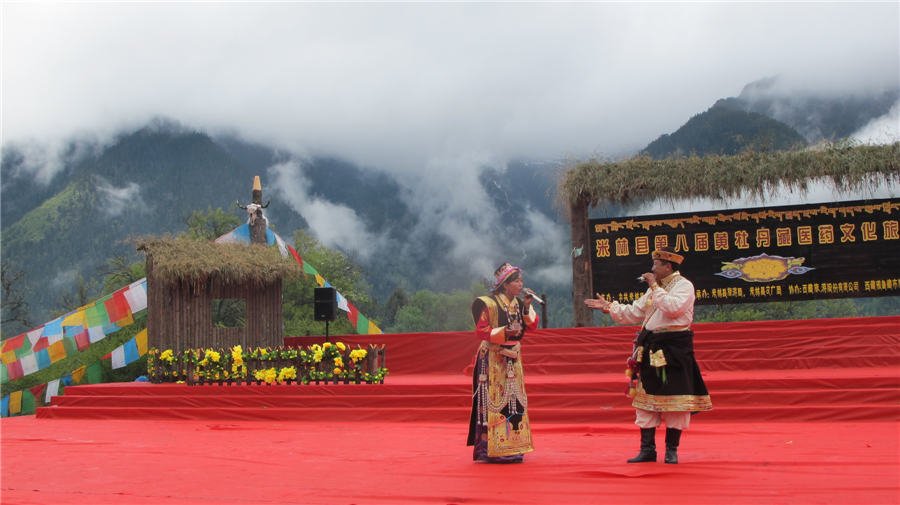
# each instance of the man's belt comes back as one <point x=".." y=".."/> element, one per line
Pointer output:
<point x="671" y="329"/>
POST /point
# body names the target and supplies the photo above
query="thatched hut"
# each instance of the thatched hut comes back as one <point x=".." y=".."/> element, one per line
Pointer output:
<point x="594" y="183"/>
<point x="192" y="284"/>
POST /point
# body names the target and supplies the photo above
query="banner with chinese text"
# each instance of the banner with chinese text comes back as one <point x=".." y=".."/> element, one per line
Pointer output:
<point x="833" y="250"/>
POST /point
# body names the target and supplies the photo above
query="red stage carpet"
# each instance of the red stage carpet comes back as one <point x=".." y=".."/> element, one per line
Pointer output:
<point x="805" y="412"/>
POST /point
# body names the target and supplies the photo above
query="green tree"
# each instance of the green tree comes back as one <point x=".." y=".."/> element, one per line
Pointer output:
<point x="119" y="273"/>
<point x="428" y="311"/>
<point x="211" y="224"/>
<point x="776" y="311"/>
<point x="13" y="307"/>
<point x="82" y="293"/>
<point x="340" y="271"/>
<point x="396" y="301"/>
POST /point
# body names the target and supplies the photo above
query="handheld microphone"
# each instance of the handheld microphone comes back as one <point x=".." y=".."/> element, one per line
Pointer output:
<point x="533" y="295"/>
<point x="640" y="278"/>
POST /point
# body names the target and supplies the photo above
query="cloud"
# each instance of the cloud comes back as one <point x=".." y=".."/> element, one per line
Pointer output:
<point x="881" y="130"/>
<point x="399" y="85"/>
<point x="333" y="225"/>
<point x="115" y="201"/>
<point x="550" y="243"/>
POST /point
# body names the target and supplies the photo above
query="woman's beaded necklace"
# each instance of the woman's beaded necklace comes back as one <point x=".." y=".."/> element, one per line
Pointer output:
<point x="512" y="311"/>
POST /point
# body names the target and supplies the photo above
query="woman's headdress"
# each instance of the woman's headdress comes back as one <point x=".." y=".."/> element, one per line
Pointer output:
<point x="503" y="273"/>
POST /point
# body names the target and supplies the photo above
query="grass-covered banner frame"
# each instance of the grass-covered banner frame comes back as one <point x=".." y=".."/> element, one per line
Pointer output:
<point x="595" y="183"/>
<point x="757" y="174"/>
<point x="326" y="363"/>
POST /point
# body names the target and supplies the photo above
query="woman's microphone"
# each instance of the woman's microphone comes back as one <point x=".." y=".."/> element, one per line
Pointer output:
<point x="533" y="295"/>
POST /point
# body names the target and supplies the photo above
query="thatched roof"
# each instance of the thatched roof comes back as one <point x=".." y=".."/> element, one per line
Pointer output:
<point x="182" y="259"/>
<point x="722" y="177"/>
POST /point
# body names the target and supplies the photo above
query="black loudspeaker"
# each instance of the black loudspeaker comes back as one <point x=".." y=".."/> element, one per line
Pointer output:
<point x="325" y="304"/>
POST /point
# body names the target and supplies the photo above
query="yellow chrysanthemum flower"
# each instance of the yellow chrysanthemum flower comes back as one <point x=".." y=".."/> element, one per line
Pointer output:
<point x="341" y="346"/>
<point x="338" y="361"/>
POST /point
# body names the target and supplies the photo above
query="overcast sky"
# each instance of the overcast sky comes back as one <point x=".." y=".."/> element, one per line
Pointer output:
<point x="432" y="91"/>
<point x="402" y="85"/>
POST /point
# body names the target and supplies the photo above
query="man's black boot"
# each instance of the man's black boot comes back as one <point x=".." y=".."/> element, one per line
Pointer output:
<point x="648" y="447"/>
<point x="673" y="436"/>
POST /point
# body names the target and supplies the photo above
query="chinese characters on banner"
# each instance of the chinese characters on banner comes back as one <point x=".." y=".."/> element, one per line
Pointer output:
<point x="834" y="250"/>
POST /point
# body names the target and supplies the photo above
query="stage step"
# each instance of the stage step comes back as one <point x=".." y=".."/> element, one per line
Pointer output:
<point x="796" y="371"/>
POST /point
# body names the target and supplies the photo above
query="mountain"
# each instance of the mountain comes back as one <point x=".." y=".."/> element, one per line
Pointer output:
<point x="725" y="130"/>
<point x="768" y="116"/>
<point x="816" y="116"/>
<point x="149" y="182"/>
<point x="403" y="229"/>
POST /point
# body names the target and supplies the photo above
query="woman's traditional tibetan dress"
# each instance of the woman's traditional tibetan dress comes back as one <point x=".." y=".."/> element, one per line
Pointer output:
<point x="499" y="427"/>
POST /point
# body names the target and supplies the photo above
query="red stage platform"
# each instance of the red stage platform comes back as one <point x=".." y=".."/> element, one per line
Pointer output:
<point x="804" y="412"/>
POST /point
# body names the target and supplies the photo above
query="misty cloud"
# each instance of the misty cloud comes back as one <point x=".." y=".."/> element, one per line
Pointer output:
<point x="332" y="225"/>
<point x="115" y="201"/>
<point x="42" y="160"/>
<point x="396" y="86"/>
<point x="882" y="130"/>
<point x="551" y="240"/>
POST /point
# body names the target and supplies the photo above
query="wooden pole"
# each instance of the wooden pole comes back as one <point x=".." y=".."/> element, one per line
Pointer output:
<point x="581" y="263"/>
<point x="258" y="224"/>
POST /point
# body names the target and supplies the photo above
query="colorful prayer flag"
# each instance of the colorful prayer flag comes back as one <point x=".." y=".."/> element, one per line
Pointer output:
<point x="52" y="390"/>
<point x="53" y="330"/>
<point x="362" y="324"/>
<point x="13" y="343"/>
<point x="41" y="344"/>
<point x="96" y="334"/>
<point x="342" y="302"/>
<point x="116" y="307"/>
<point x="43" y="359"/>
<point x="95" y="315"/>
<point x="94" y="373"/>
<point x="70" y="345"/>
<point x="29" y="364"/>
<point x="28" y="403"/>
<point x="82" y="340"/>
<point x="8" y="357"/>
<point x="141" y="339"/>
<point x="15" y="403"/>
<point x="78" y="374"/>
<point x="118" y="357"/>
<point x="35" y="335"/>
<point x="296" y="256"/>
<point x="14" y="370"/>
<point x="131" y="351"/>
<point x="71" y="331"/>
<point x="74" y="319"/>
<point x="37" y="390"/>
<point x="353" y="314"/>
<point x="57" y="351"/>
<point x="136" y="295"/>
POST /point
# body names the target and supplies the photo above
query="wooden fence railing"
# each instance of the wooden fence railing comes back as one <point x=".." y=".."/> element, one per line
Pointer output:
<point x="316" y="364"/>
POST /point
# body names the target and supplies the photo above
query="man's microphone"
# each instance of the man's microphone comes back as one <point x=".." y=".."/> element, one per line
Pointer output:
<point x="533" y="295"/>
